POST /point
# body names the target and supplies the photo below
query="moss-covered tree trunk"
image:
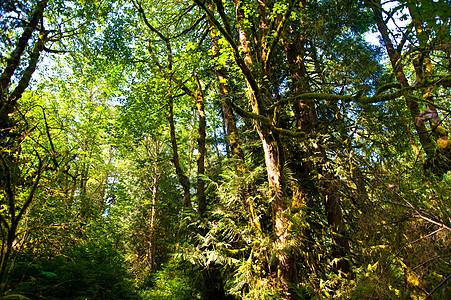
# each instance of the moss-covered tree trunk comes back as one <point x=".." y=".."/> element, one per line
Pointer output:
<point x="10" y="139"/>
<point x="229" y="118"/>
<point x="202" y="123"/>
<point x="260" y="98"/>
<point x="294" y="45"/>
<point x="9" y="100"/>
<point x="182" y="178"/>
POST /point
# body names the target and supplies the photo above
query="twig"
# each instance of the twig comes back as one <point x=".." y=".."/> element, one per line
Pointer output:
<point x="440" y="284"/>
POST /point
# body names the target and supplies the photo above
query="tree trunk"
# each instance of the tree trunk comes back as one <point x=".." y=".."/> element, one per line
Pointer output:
<point x="8" y="102"/>
<point x="10" y="221"/>
<point x="274" y="158"/>
<point x="441" y="162"/>
<point x="200" y="105"/>
<point x="229" y="118"/>
<point x="151" y="222"/>
<point x="294" y="48"/>
<point x="183" y="179"/>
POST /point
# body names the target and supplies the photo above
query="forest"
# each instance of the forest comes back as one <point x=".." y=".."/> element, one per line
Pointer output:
<point x="225" y="149"/>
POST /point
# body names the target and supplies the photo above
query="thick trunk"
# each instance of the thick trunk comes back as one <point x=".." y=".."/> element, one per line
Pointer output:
<point x="340" y="245"/>
<point x="8" y="102"/>
<point x="256" y="68"/>
<point x="294" y="48"/>
<point x="10" y="221"/>
<point x="439" y="151"/>
<point x="231" y="129"/>
<point x="274" y="159"/>
<point x="441" y="162"/>
<point x="26" y="76"/>
<point x="214" y="285"/>
<point x="13" y="62"/>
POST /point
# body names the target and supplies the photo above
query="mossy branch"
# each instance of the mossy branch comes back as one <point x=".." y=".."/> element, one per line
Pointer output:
<point x="26" y="77"/>
<point x="13" y="62"/>
<point x="386" y="87"/>
<point x="226" y="32"/>
<point x="265" y="120"/>
<point x="378" y="97"/>
<point x="279" y="30"/>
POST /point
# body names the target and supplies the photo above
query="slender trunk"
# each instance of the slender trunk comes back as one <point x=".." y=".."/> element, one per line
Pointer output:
<point x="85" y="209"/>
<point x="10" y="221"/>
<point x="224" y="129"/>
<point x="200" y="105"/>
<point x="154" y="191"/>
<point x="216" y="141"/>
<point x="167" y="72"/>
<point x="183" y="179"/>
<point x="396" y="63"/>
<point x="229" y="118"/>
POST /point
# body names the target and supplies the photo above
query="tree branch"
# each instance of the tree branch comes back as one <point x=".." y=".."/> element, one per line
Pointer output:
<point x="228" y="36"/>
<point x="26" y="77"/>
<point x="260" y="118"/>
<point x="33" y="189"/>
<point x="439" y="285"/>
<point x="279" y="30"/>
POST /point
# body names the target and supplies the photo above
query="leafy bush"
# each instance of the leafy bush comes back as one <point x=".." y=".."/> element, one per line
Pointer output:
<point x="87" y="271"/>
<point x="176" y="280"/>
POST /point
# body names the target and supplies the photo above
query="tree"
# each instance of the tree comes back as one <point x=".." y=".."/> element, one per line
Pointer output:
<point x="11" y="137"/>
<point x="423" y="37"/>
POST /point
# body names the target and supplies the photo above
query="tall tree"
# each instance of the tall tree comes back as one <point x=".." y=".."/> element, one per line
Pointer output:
<point x="422" y="37"/>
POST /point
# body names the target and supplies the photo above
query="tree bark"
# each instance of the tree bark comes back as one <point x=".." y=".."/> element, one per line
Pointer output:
<point x="229" y="118"/>
<point x="13" y="62"/>
<point x="151" y="251"/>
<point x="274" y="154"/>
<point x="8" y="102"/>
<point x="183" y="179"/>
<point x="423" y="69"/>
<point x="10" y="221"/>
<point x="200" y="106"/>
<point x="294" y="47"/>
<point x="255" y="65"/>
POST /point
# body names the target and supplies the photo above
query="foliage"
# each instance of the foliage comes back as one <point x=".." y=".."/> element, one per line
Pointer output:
<point x="90" y="269"/>
<point x="175" y="280"/>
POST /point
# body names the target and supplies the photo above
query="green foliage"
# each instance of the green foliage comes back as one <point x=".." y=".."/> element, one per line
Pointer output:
<point x="92" y="269"/>
<point x="176" y="280"/>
